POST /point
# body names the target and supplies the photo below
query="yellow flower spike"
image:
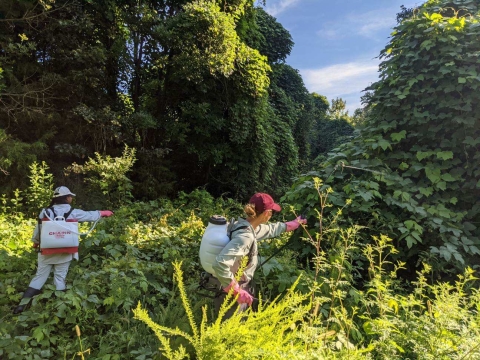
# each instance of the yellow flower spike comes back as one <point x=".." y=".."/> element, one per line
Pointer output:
<point x="77" y="330"/>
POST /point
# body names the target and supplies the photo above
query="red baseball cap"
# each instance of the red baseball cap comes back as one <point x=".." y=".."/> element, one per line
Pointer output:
<point x="264" y="202"/>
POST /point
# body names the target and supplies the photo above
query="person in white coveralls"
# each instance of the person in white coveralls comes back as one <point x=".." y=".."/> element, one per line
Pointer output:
<point x="58" y="259"/>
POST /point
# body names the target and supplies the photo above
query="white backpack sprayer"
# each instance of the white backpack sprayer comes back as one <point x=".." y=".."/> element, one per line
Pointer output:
<point x="58" y="234"/>
<point x="217" y="234"/>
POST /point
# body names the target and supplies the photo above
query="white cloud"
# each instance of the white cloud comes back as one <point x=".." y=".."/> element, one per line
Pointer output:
<point x="280" y="6"/>
<point x="342" y="80"/>
<point x="367" y="24"/>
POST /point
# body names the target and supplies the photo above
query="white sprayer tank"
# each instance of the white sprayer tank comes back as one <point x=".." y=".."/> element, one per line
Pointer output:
<point x="213" y="241"/>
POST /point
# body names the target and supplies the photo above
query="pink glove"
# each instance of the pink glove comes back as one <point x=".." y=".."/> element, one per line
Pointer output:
<point x="294" y="224"/>
<point x="243" y="296"/>
<point x="105" y="213"/>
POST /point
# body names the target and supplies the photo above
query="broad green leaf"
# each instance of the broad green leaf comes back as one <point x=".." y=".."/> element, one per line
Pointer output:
<point x="448" y="177"/>
<point x="445" y="155"/>
<point x="442" y="185"/>
<point x="410" y="241"/>
<point x="447" y="255"/>
<point x="471" y="141"/>
<point x="398" y="136"/>
<point x="416" y="235"/>
<point x="411" y="224"/>
<point x="38" y="334"/>
<point x="426" y="191"/>
<point x="445" y="213"/>
<point x="423" y="154"/>
<point x="384" y="144"/>
<point x="458" y="257"/>
<point x="433" y="174"/>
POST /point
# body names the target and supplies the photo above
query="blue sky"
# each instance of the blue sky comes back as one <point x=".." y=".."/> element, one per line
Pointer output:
<point x="337" y="42"/>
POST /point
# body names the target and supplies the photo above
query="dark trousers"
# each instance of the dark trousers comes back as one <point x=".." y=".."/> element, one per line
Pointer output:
<point x="221" y="296"/>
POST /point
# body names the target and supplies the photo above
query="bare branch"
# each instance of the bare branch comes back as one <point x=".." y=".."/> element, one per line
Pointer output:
<point x="24" y="98"/>
<point x="26" y="17"/>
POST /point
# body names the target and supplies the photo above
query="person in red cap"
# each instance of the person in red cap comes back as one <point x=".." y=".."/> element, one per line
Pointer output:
<point x="244" y="236"/>
<point x="59" y="261"/>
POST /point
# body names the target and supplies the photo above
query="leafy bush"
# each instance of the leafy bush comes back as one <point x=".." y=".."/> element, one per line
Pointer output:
<point x="106" y="177"/>
<point x="433" y="322"/>
<point x="36" y="196"/>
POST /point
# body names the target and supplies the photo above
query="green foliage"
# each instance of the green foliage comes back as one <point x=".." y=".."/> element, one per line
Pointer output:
<point x="206" y="35"/>
<point x="106" y="177"/>
<point x="325" y="313"/>
<point x="269" y="37"/>
<point x="412" y="171"/>
<point x="39" y="193"/>
<point x="105" y="125"/>
<point x="331" y="127"/>
<point x="417" y="325"/>
<point x="338" y="108"/>
<point x="125" y="260"/>
<point x="276" y="331"/>
<point x="187" y="84"/>
<point x="15" y="158"/>
<point x="433" y="322"/>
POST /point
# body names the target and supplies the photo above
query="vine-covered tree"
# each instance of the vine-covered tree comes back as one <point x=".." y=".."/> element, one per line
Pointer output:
<point x="185" y="83"/>
<point x="416" y="160"/>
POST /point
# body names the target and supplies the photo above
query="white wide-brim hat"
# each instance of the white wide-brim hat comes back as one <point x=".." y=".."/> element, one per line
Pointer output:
<point x="62" y="191"/>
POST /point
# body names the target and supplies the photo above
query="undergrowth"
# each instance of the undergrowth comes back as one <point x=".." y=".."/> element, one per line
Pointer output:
<point x="347" y="302"/>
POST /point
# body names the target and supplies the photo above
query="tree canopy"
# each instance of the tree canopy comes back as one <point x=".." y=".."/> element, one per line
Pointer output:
<point x="199" y="88"/>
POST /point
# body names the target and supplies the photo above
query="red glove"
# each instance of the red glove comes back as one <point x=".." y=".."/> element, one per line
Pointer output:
<point x="243" y="296"/>
<point x="105" y="213"/>
<point x="294" y="224"/>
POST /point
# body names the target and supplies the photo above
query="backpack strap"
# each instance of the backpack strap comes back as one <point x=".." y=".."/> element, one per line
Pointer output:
<point x="67" y="214"/>
<point x="251" y="247"/>
<point x="53" y="211"/>
<point x="239" y="228"/>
